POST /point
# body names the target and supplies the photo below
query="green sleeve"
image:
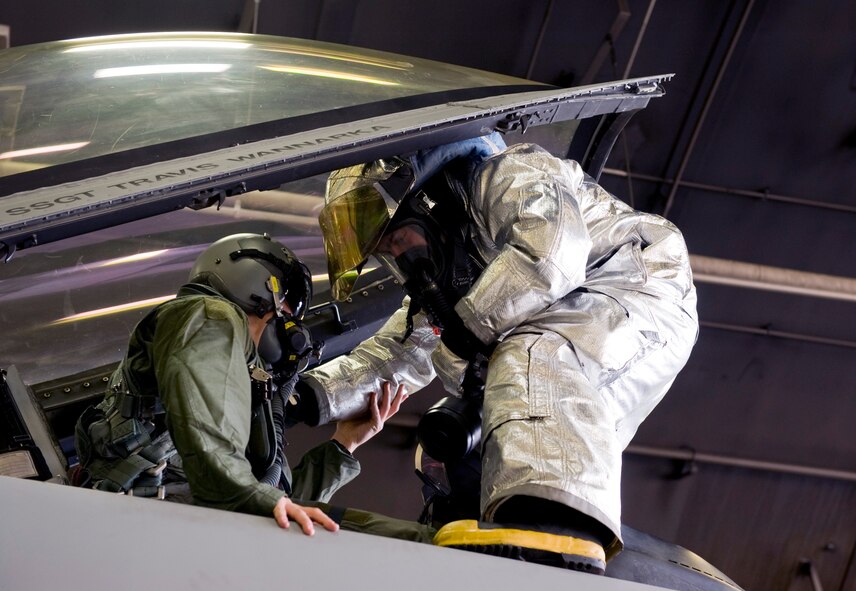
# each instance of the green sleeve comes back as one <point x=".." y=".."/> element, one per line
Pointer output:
<point x="322" y="471"/>
<point x="200" y="354"/>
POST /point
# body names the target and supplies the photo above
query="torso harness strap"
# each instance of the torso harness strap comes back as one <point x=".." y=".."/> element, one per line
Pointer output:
<point x="120" y="445"/>
<point x="124" y="450"/>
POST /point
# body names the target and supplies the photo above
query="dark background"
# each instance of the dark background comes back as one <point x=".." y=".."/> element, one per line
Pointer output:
<point x="752" y="153"/>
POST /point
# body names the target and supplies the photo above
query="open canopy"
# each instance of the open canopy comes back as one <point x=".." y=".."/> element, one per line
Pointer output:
<point x="106" y="130"/>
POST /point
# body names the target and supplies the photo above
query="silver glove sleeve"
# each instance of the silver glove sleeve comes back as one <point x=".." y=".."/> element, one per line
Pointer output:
<point x="343" y="385"/>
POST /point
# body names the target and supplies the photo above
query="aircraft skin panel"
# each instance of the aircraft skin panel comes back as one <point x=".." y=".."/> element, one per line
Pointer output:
<point x="61" y="537"/>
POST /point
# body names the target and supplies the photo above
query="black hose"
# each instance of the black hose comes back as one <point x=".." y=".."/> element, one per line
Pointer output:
<point x="273" y="474"/>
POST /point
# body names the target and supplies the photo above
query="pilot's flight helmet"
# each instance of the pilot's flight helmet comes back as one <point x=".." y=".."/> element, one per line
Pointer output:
<point x="256" y="273"/>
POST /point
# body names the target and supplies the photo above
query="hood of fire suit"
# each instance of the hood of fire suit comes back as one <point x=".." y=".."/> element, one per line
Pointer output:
<point x="361" y="201"/>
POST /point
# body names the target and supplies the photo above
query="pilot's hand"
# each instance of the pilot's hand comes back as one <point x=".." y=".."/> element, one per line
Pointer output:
<point x="306" y="517"/>
<point x="352" y="433"/>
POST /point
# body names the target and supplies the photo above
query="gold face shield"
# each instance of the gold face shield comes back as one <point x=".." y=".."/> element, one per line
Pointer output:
<point x="357" y="211"/>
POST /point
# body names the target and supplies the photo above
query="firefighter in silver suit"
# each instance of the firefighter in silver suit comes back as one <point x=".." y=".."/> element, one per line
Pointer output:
<point x="582" y="309"/>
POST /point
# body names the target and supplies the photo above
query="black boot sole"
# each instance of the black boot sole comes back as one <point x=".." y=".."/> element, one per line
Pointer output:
<point x="567" y="561"/>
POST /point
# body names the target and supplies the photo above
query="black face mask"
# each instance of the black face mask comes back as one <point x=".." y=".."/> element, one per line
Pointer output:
<point x="422" y="268"/>
<point x="287" y="346"/>
<point x="418" y="266"/>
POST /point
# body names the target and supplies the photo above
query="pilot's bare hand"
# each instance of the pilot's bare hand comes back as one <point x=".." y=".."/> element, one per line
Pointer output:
<point x="306" y="517"/>
<point x="352" y="433"/>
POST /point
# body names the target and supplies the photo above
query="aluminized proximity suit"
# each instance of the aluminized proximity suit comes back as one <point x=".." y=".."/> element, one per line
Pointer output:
<point x="593" y="307"/>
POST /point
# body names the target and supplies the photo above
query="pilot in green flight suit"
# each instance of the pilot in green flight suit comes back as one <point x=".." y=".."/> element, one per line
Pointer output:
<point x="191" y="404"/>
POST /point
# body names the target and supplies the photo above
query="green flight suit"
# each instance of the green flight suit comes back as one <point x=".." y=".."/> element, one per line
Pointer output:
<point x="192" y="353"/>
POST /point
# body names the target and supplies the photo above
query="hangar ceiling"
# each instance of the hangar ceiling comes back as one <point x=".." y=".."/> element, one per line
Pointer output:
<point x="752" y="154"/>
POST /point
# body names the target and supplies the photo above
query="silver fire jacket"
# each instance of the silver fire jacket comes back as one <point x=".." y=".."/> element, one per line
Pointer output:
<point x="593" y="306"/>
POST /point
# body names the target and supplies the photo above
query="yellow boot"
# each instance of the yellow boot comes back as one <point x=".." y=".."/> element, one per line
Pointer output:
<point x="564" y="551"/>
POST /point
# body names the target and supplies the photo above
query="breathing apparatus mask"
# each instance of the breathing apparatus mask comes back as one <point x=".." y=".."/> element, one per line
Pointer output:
<point x="414" y="247"/>
<point x="286" y="344"/>
<point x="427" y="247"/>
<point x="288" y="347"/>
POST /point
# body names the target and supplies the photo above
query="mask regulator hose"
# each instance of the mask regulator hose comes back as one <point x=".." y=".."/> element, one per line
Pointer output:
<point x="458" y="338"/>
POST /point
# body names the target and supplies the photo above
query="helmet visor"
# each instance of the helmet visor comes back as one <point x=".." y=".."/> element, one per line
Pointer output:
<point x="298" y="289"/>
<point x="352" y="224"/>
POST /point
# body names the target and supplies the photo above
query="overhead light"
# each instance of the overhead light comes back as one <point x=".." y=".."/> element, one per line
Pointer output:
<point x="41" y="150"/>
<point x="330" y="74"/>
<point x="174" y="44"/>
<point x="161" y="69"/>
